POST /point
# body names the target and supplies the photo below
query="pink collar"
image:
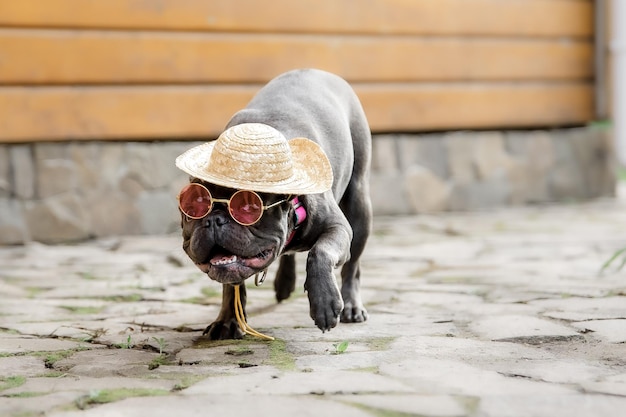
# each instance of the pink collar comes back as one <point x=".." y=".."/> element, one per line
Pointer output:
<point x="299" y="213"/>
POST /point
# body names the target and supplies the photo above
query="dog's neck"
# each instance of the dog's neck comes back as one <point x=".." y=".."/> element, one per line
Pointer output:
<point x="299" y="213"/>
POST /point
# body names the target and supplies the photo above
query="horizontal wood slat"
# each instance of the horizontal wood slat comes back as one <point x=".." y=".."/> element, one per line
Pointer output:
<point x="434" y="17"/>
<point x="58" y="57"/>
<point x="61" y="113"/>
<point x="476" y="106"/>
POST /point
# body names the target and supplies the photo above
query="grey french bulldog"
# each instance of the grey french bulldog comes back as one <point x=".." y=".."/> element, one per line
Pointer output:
<point x="333" y="226"/>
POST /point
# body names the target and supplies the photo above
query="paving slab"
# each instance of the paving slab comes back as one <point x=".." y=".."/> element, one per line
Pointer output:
<point x="613" y="385"/>
<point x="570" y="405"/>
<point x="21" y="366"/>
<point x="445" y="376"/>
<point x="270" y="381"/>
<point x="418" y="405"/>
<point x="518" y="328"/>
<point x="221" y="405"/>
<point x="13" y="344"/>
<point x="43" y="404"/>
<point x="82" y="385"/>
<point x="613" y="331"/>
<point x="494" y="313"/>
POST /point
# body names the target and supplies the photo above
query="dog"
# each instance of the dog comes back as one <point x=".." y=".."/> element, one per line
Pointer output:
<point x="331" y="218"/>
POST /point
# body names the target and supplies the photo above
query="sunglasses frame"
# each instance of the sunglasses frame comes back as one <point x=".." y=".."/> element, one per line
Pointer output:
<point x="227" y="203"/>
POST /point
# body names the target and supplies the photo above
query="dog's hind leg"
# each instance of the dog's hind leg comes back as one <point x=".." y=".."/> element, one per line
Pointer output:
<point x="357" y="207"/>
<point x="285" y="281"/>
<point x="359" y="213"/>
<point x="226" y="326"/>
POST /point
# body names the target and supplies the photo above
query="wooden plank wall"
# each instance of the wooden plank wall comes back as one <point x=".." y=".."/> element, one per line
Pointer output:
<point x="177" y="69"/>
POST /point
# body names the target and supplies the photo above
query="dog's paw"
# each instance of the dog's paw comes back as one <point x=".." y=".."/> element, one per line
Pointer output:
<point x="325" y="307"/>
<point x="353" y="312"/>
<point x="221" y="330"/>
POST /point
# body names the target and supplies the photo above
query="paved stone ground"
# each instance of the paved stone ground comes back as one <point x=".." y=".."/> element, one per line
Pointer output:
<point x="499" y="313"/>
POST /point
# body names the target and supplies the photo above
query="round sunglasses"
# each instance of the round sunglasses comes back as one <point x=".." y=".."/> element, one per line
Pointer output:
<point x="245" y="207"/>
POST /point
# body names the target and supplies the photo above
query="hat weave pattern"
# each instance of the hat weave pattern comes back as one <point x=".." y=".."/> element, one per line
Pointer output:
<point x="257" y="157"/>
<point x="252" y="154"/>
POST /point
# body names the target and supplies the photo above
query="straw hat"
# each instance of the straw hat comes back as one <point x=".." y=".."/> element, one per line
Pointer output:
<point x="257" y="157"/>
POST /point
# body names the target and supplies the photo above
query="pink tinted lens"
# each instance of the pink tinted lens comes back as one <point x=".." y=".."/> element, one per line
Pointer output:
<point x="246" y="207"/>
<point x="194" y="201"/>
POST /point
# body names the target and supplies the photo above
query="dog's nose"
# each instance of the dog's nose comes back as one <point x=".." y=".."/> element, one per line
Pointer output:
<point x="217" y="218"/>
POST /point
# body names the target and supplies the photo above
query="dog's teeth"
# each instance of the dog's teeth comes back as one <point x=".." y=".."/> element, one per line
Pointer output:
<point x="225" y="260"/>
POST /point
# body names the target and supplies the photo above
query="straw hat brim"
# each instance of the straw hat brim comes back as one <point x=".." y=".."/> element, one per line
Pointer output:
<point x="312" y="172"/>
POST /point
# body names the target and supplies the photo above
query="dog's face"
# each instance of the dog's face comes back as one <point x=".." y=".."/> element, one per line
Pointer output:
<point x="228" y="251"/>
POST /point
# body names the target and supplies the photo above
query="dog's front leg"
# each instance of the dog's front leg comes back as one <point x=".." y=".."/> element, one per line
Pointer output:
<point x="330" y="251"/>
<point x="226" y="326"/>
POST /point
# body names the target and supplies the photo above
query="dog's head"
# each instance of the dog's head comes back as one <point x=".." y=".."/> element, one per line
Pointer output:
<point x="228" y="251"/>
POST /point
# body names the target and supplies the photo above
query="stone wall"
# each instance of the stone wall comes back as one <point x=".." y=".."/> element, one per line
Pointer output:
<point x="57" y="192"/>
<point x="478" y="170"/>
<point x="60" y="192"/>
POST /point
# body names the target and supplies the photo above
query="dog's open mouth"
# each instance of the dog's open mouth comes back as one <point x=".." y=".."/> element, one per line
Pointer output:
<point x="223" y="257"/>
<point x="223" y="265"/>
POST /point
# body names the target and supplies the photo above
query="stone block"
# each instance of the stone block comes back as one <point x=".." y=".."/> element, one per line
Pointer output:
<point x="60" y="218"/>
<point x="112" y="165"/>
<point x="265" y="382"/>
<point x="51" y="150"/>
<point x="494" y="192"/>
<point x="516" y="144"/>
<point x="523" y="188"/>
<point x="152" y="165"/>
<point x="177" y="184"/>
<point x="178" y="178"/>
<point x="165" y="163"/>
<point x="5" y="172"/>
<point x="20" y="365"/>
<point x="13" y="229"/>
<point x="113" y="213"/>
<point x="55" y="177"/>
<point x="495" y="163"/>
<point x="407" y="148"/>
<point x="138" y="159"/>
<point x="87" y="163"/>
<point x="520" y="328"/>
<point x="388" y="194"/>
<point x="23" y="171"/>
<point x="385" y="154"/>
<point x="604" y="182"/>
<point x="539" y="150"/>
<point x="460" y="148"/>
<point x="534" y="153"/>
<point x="566" y="179"/>
<point x="427" y="193"/>
<point x="425" y="150"/>
<point x="489" y="155"/>
<point x="593" y="150"/>
<point x="159" y="212"/>
<point x="130" y="186"/>
<point x="613" y="331"/>
<point x="55" y="170"/>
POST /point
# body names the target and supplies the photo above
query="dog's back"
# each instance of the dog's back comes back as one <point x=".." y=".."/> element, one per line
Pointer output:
<point x="322" y="107"/>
